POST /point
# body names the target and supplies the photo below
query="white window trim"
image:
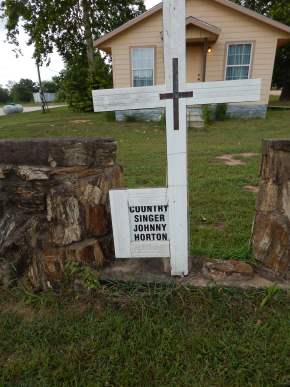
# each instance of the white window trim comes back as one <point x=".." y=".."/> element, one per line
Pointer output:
<point x="227" y="56"/>
<point x="132" y="67"/>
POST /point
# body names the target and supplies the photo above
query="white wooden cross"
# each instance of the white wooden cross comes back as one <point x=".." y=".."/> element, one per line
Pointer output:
<point x="175" y="96"/>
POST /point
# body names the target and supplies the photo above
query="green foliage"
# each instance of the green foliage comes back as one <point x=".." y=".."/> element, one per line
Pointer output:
<point x="130" y="118"/>
<point x="278" y="10"/>
<point x="22" y="91"/>
<point x="50" y="86"/>
<point x="60" y="24"/>
<point x="260" y="6"/>
<point x="281" y="76"/>
<point x="4" y="95"/>
<point x="88" y="278"/>
<point x="271" y="292"/>
<point x="162" y="122"/>
<point x="110" y="116"/>
<point x="76" y="83"/>
<point x="221" y="111"/>
<point x="206" y="114"/>
<point x="70" y="26"/>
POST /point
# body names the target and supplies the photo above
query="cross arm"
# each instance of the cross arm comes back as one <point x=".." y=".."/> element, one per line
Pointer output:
<point x="246" y="90"/>
<point x="128" y="98"/>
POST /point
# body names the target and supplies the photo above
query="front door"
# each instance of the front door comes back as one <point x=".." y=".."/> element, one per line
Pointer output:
<point x="195" y="54"/>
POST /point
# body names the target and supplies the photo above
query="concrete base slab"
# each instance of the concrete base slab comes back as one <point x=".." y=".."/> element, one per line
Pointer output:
<point x="152" y="271"/>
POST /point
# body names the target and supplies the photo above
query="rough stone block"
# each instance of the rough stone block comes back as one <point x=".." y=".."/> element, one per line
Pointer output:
<point x="217" y="270"/>
<point x="63" y="215"/>
<point x="271" y="241"/>
<point x="59" y="152"/>
<point x="54" y="206"/>
<point x="47" y="268"/>
<point x="29" y="173"/>
<point x="88" y="251"/>
<point x="271" y="232"/>
<point x="97" y="223"/>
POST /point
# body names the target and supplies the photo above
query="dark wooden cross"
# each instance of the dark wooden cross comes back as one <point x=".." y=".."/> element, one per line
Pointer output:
<point x="176" y="95"/>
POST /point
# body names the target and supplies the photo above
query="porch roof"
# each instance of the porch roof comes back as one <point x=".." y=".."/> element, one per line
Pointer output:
<point x="200" y="30"/>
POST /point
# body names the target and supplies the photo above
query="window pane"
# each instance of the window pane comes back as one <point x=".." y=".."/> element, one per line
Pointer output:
<point x="142" y="58"/>
<point x="142" y="78"/>
<point x="143" y="66"/>
<point x="246" y="54"/>
<point x="239" y="72"/>
<point x="239" y="54"/>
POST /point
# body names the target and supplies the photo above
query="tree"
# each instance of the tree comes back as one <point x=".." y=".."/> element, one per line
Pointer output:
<point x="260" y="6"/>
<point x="75" y="82"/>
<point x="4" y="95"/>
<point x="22" y="91"/>
<point x="280" y="11"/>
<point x="70" y="26"/>
<point x="50" y="86"/>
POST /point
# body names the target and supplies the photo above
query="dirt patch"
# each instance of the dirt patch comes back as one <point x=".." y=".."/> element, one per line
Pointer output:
<point x="233" y="159"/>
<point x="38" y="124"/>
<point x="252" y="188"/>
<point x="220" y="226"/>
<point x="80" y="121"/>
<point x="247" y="155"/>
<point x="229" y="160"/>
<point x="21" y="310"/>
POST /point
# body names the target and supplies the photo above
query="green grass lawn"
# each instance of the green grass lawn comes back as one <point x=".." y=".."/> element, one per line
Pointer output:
<point x="134" y="335"/>
<point x="274" y="101"/>
<point x="145" y="336"/>
<point x="221" y="211"/>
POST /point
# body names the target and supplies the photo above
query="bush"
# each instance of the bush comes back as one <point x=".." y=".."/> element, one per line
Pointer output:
<point x="110" y="116"/>
<point x="162" y="121"/>
<point x="221" y="111"/>
<point x="22" y="91"/>
<point x="130" y="118"/>
<point x="50" y="86"/>
<point x="4" y="95"/>
<point x="206" y="114"/>
<point x="76" y="84"/>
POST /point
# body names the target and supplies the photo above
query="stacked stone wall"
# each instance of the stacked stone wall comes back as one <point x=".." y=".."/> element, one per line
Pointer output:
<point x="271" y="233"/>
<point x="54" y="206"/>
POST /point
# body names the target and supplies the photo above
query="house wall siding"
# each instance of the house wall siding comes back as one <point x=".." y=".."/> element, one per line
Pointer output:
<point x="235" y="27"/>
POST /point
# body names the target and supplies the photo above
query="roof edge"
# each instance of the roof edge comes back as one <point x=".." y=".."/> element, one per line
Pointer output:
<point x="255" y="15"/>
<point x="226" y="3"/>
<point x="127" y="25"/>
<point x="203" y="25"/>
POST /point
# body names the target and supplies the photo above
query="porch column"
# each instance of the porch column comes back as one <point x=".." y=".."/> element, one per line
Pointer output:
<point x="205" y="49"/>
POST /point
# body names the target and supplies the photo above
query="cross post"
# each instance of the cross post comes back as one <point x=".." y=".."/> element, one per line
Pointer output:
<point x="174" y="96"/>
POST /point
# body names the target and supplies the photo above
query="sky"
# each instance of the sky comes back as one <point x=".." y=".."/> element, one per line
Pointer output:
<point x="13" y="68"/>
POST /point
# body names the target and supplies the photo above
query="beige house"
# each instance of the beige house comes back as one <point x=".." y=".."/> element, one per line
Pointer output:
<point x="224" y="42"/>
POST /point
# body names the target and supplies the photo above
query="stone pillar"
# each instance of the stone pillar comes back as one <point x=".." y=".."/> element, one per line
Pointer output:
<point x="54" y="206"/>
<point x="271" y="233"/>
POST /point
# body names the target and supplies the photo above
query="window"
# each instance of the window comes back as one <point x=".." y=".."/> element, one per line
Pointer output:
<point x="239" y="59"/>
<point x="142" y="66"/>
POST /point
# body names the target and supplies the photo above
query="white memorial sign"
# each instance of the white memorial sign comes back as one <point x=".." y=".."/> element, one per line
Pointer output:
<point x="140" y="222"/>
<point x="174" y="96"/>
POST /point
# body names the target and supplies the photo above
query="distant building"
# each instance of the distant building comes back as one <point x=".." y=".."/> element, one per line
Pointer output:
<point x="49" y="97"/>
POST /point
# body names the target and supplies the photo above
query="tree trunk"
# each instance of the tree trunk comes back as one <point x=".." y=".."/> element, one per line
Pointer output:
<point x="88" y="36"/>
<point x="285" y="95"/>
